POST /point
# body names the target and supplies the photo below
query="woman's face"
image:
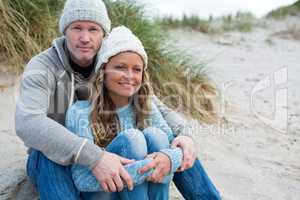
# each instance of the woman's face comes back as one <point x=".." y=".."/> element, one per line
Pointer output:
<point x="123" y="75"/>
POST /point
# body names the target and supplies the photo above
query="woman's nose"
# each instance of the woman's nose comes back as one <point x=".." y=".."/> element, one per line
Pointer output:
<point x="129" y="74"/>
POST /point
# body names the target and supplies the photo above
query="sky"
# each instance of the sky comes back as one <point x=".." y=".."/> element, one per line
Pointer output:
<point x="203" y="8"/>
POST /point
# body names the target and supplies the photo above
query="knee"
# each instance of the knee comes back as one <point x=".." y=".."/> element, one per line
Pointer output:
<point x="156" y="139"/>
<point x="134" y="144"/>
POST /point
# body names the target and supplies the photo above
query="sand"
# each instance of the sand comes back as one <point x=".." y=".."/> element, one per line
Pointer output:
<point x="255" y="154"/>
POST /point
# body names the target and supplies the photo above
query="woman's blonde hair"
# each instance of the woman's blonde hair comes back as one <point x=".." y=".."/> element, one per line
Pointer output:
<point x="104" y="120"/>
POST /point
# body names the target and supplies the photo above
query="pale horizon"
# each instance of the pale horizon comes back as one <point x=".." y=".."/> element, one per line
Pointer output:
<point x="176" y="8"/>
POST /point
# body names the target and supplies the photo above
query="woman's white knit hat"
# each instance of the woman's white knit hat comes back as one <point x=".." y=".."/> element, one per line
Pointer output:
<point x="84" y="10"/>
<point x="120" y="39"/>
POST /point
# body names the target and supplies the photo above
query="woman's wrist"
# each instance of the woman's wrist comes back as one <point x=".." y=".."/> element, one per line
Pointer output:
<point x="175" y="156"/>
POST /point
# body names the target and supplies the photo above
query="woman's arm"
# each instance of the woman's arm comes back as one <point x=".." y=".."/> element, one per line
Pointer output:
<point x="77" y="122"/>
<point x="183" y="133"/>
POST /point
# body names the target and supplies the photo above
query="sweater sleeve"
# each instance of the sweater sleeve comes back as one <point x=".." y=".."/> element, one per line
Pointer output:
<point x="41" y="132"/>
<point x="178" y="124"/>
<point x="175" y="155"/>
<point x="157" y="120"/>
<point x="77" y="122"/>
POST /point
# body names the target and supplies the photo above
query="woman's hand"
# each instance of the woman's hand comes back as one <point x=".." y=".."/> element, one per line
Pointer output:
<point x="189" y="151"/>
<point x="161" y="165"/>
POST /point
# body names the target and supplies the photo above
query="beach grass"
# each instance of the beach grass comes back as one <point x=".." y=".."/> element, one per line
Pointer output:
<point x="241" y="21"/>
<point x="29" y="26"/>
<point x="284" y="11"/>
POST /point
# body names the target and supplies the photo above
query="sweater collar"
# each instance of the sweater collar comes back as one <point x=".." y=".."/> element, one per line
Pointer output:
<point x="61" y="48"/>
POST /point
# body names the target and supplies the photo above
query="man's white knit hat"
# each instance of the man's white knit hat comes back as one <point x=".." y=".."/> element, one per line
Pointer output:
<point x="84" y="10"/>
<point x="120" y="39"/>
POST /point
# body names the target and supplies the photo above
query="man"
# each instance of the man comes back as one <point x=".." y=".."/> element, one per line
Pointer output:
<point x="56" y="78"/>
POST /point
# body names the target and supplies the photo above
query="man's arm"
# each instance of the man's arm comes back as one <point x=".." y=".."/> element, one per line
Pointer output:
<point x="183" y="132"/>
<point x="175" y="155"/>
<point x="176" y="121"/>
<point x="42" y="133"/>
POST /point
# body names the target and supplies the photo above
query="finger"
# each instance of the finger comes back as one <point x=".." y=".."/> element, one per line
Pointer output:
<point x="194" y="158"/>
<point x="147" y="167"/>
<point x="191" y="161"/>
<point x="160" y="176"/>
<point x="184" y="165"/>
<point x="111" y="185"/>
<point x="126" y="161"/>
<point x="149" y="179"/>
<point x="152" y="155"/>
<point x="186" y="156"/>
<point x="126" y="177"/>
<point x="175" y="144"/>
<point x="161" y="179"/>
<point x="119" y="183"/>
<point x="187" y="163"/>
<point x="104" y="186"/>
<point x="157" y="175"/>
<point x="178" y="170"/>
<point x="190" y="164"/>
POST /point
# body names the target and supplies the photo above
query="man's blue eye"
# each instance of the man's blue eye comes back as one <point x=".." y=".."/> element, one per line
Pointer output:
<point x="93" y="29"/>
<point x="76" y="28"/>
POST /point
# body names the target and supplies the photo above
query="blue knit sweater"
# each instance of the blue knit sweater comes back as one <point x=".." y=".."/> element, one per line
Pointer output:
<point x="77" y="121"/>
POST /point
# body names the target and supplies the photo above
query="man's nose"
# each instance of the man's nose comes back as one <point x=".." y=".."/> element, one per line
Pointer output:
<point x="85" y="37"/>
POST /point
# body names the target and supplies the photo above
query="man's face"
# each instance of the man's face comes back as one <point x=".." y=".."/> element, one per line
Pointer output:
<point x="84" y="39"/>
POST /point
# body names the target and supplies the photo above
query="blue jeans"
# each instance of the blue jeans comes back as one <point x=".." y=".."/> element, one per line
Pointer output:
<point x="54" y="182"/>
<point x="194" y="184"/>
<point x="132" y="144"/>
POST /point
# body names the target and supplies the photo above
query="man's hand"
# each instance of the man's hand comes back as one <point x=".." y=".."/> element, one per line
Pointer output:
<point x="161" y="165"/>
<point x="110" y="173"/>
<point x="189" y="151"/>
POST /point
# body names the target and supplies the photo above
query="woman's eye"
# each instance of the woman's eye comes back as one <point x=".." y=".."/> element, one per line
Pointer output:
<point x="120" y="67"/>
<point x="137" y="69"/>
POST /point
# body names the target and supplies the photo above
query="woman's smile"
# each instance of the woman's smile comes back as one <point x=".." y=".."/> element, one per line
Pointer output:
<point x="123" y="76"/>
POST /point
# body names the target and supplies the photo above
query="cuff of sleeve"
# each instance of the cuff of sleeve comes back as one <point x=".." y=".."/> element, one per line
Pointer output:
<point x="175" y="156"/>
<point x="89" y="155"/>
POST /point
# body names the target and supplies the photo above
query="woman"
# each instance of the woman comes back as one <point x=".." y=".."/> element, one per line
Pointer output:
<point x="121" y="118"/>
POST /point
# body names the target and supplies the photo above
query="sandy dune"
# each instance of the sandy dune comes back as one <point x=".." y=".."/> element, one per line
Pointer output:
<point x="256" y="154"/>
